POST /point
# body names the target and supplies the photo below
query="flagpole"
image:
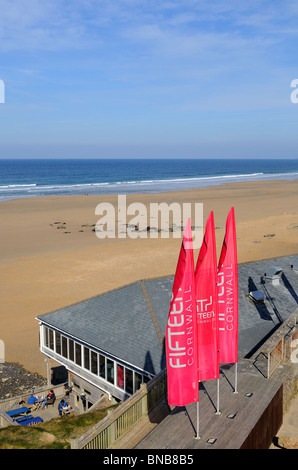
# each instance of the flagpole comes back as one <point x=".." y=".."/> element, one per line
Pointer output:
<point x="217" y="412"/>
<point x="198" y="419"/>
<point x="236" y="367"/>
<point x="198" y="425"/>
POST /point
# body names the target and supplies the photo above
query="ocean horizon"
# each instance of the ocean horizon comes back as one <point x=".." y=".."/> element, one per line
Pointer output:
<point x="23" y="178"/>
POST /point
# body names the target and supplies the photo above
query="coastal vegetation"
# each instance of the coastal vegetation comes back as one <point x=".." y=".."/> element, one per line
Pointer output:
<point x="54" y="434"/>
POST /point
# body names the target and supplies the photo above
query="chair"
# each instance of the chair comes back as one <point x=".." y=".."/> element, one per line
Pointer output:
<point x="51" y="401"/>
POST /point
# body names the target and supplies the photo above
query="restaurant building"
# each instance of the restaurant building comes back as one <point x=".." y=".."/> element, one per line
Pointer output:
<point x="112" y="343"/>
<point x="109" y="344"/>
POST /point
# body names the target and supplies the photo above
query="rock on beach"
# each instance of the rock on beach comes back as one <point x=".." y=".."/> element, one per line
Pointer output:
<point x="15" y="380"/>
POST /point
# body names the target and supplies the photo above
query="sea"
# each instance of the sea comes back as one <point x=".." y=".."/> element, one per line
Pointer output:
<point x="25" y="178"/>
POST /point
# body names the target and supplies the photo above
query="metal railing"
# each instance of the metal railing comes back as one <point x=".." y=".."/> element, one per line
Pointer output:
<point x="275" y="357"/>
<point x="281" y="351"/>
<point x="120" y="421"/>
<point x="278" y="349"/>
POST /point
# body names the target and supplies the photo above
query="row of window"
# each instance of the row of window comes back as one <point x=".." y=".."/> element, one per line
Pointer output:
<point x="96" y="363"/>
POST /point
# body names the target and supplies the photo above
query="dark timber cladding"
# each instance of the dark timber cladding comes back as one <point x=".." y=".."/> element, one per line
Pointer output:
<point x="260" y="436"/>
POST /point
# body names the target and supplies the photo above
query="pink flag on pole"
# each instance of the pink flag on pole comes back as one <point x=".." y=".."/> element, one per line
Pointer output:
<point x="207" y="307"/>
<point x="227" y="285"/>
<point x="181" y="348"/>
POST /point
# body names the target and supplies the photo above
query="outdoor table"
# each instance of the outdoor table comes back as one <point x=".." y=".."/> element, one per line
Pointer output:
<point x="67" y="410"/>
<point x="38" y="403"/>
<point x="18" y="411"/>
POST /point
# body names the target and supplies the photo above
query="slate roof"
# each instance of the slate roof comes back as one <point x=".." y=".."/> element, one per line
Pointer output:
<point x="119" y="322"/>
<point x="257" y="321"/>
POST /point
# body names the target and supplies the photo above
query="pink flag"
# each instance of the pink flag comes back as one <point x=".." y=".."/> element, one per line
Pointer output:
<point x="181" y="349"/>
<point x="227" y="284"/>
<point x="206" y="299"/>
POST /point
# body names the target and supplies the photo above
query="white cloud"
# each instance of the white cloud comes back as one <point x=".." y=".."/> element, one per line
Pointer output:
<point x="42" y="25"/>
<point x="63" y="25"/>
<point x="165" y="61"/>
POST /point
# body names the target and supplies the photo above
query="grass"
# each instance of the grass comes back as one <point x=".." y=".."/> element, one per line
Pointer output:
<point x="53" y="434"/>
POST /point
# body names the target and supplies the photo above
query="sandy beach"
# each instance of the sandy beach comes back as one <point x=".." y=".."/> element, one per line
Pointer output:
<point x="51" y="257"/>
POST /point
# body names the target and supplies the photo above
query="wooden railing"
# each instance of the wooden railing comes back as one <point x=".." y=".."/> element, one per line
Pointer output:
<point x="121" y="420"/>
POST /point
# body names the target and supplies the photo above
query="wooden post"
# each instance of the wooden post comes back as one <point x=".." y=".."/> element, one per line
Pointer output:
<point x="48" y="363"/>
<point x="73" y="443"/>
<point x="111" y="429"/>
<point x="144" y="399"/>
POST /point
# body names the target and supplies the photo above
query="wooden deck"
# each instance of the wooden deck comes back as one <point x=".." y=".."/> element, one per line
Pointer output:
<point x="178" y="429"/>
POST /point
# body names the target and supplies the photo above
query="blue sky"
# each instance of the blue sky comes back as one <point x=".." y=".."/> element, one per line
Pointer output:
<point x="148" y="78"/>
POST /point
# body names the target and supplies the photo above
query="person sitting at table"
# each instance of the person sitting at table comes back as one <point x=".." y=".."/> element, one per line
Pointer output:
<point x="32" y="401"/>
<point x="48" y="398"/>
<point x="62" y="407"/>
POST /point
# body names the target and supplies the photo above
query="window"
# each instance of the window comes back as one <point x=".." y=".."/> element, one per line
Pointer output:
<point x="93" y="362"/>
<point x="51" y="339"/>
<point x="102" y="366"/>
<point x="120" y="376"/>
<point x="71" y="349"/>
<point x="86" y="358"/>
<point x="58" y="342"/>
<point x="78" y="359"/>
<point x="138" y="381"/>
<point x="110" y="371"/>
<point x="64" y="346"/>
<point x="46" y="336"/>
<point x="116" y="374"/>
<point x="128" y="381"/>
